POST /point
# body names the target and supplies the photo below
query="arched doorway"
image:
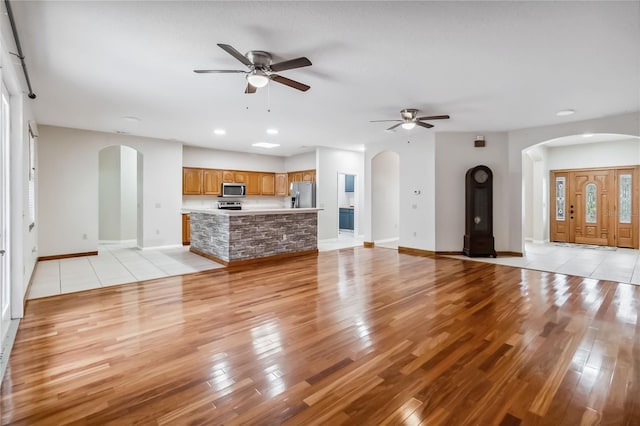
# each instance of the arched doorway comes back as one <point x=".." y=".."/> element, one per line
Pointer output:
<point x="120" y="196"/>
<point x="385" y="199"/>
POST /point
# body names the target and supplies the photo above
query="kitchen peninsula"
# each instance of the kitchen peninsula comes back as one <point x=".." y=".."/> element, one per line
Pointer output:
<point x="235" y="237"/>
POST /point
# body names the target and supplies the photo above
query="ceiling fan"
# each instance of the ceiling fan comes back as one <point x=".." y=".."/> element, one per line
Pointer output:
<point x="261" y="70"/>
<point x="409" y="120"/>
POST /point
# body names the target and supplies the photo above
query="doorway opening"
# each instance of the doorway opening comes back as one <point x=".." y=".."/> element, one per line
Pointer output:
<point x="347" y="209"/>
<point x="593" y="165"/>
<point x="385" y="199"/>
<point x="120" y="196"/>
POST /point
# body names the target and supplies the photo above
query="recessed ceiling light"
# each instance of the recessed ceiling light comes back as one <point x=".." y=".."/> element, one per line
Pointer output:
<point x="565" y="112"/>
<point x="265" y="145"/>
<point x="272" y="131"/>
<point x="132" y="119"/>
<point x="220" y="131"/>
<point x="587" y="135"/>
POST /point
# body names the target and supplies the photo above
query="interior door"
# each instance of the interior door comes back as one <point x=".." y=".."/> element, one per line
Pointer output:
<point x="559" y="220"/>
<point x="626" y="214"/>
<point x="591" y="201"/>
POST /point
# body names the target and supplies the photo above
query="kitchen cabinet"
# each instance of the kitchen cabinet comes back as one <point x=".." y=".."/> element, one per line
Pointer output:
<point x="346" y="219"/>
<point x="191" y="181"/>
<point x="309" y="176"/>
<point x="211" y="181"/>
<point x="300" y="176"/>
<point x="349" y="183"/>
<point x="282" y="184"/>
<point x="227" y="176"/>
<point x="186" y="229"/>
<point x="267" y="184"/>
<point x="253" y="182"/>
<point x="241" y="177"/>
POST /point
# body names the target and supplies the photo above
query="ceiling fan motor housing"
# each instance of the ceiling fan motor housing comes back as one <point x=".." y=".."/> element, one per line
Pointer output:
<point x="259" y="58"/>
<point x="409" y="114"/>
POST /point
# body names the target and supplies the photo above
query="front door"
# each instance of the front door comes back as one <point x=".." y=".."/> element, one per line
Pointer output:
<point x="590" y="202"/>
<point x="595" y="206"/>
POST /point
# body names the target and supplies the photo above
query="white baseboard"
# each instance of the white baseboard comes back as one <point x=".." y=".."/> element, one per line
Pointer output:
<point x="171" y="246"/>
<point x="108" y="242"/>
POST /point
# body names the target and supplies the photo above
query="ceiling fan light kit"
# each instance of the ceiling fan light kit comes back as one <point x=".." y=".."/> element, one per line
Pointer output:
<point x="410" y="120"/>
<point x="261" y="70"/>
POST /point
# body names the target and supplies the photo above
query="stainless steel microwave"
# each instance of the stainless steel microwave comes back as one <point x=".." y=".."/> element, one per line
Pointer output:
<point x="233" y="190"/>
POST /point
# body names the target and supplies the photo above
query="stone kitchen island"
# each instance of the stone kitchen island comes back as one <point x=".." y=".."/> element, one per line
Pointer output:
<point x="236" y="237"/>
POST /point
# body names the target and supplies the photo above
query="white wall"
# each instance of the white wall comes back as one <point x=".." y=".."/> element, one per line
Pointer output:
<point x="600" y="154"/>
<point x="229" y="160"/>
<point x="109" y="193"/>
<point x="330" y="163"/>
<point x="455" y="154"/>
<point x="417" y="173"/>
<point x="68" y="189"/>
<point x="129" y="193"/>
<point x="385" y="193"/>
<point x="306" y="161"/>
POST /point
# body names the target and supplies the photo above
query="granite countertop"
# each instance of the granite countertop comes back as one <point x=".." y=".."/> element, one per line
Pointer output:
<point x="247" y="212"/>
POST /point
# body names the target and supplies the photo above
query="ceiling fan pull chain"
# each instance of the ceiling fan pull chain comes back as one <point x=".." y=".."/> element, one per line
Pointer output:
<point x="268" y="98"/>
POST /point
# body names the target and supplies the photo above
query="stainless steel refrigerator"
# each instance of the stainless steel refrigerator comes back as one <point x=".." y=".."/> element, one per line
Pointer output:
<point x="303" y="194"/>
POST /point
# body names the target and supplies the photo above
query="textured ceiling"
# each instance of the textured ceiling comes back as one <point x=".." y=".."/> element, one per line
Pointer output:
<point x="492" y="66"/>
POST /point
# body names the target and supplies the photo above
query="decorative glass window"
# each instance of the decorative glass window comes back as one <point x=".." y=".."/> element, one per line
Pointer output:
<point x="591" y="203"/>
<point x="560" y="198"/>
<point x="625" y="198"/>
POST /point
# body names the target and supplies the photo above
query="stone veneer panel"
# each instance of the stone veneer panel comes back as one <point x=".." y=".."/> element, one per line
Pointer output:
<point x="238" y="237"/>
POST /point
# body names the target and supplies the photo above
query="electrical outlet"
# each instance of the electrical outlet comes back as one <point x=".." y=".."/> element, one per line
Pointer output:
<point x="84" y="236"/>
<point x="157" y="232"/>
<point x="415" y="234"/>
<point x="414" y="206"/>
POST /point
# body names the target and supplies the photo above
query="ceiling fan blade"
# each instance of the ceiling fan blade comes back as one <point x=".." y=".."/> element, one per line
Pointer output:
<point x="233" y="52"/>
<point x="434" y="117"/>
<point x="218" y="71"/>
<point x="394" y="126"/>
<point x="250" y="89"/>
<point x="425" y="125"/>
<point x="288" y="82"/>
<point x="383" y="121"/>
<point x="291" y="64"/>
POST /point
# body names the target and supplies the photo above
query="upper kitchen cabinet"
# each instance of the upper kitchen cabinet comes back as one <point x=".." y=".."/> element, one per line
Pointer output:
<point x="241" y="177"/>
<point x="227" y="176"/>
<point x="349" y="183"/>
<point x="309" y="176"/>
<point x="252" y="182"/>
<point x="268" y="184"/>
<point x="211" y="181"/>
<point x="282" y="184"/>
<point x="191" y="181"/>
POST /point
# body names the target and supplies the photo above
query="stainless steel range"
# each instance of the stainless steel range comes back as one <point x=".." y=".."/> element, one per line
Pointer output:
<point x="230" y="205"/>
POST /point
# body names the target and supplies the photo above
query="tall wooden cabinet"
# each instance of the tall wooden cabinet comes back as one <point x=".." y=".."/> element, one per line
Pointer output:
<point x="191" y="181"/>
<point x="186" y="229"/>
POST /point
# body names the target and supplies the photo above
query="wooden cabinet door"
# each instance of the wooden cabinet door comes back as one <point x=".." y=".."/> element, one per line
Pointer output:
<point x="309" y="176"/>
<point x="227" y="176"/>
<point x="252" y="181"/>
<point x="191" y="181"/>
<point x="241" y="177"/>
<point x="267" y="184"/>
<point x="186" y="229"/>
<point x="211" y="181"/>
<point x="282" y="184"/>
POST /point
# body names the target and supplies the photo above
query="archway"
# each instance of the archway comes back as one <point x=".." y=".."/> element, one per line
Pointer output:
<point x="385" y="198"/>
<point x="586" y="151"/>
<point x="120" y="195"/>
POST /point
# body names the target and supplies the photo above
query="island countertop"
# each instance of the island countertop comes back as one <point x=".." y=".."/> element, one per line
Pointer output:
<point x="250" y="212"/>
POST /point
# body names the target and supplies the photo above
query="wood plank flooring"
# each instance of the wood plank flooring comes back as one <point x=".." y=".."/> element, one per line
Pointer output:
<point x="355" y="336"/>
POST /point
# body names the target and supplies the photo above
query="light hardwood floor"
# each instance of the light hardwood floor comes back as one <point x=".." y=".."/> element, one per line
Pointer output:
<point x="358" y="336"/>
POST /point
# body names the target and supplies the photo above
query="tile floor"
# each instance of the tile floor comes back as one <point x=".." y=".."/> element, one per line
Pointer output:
<point x="115" y="264"/>
<point x="120" y="264"/>
<point x="621" y="265"/>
